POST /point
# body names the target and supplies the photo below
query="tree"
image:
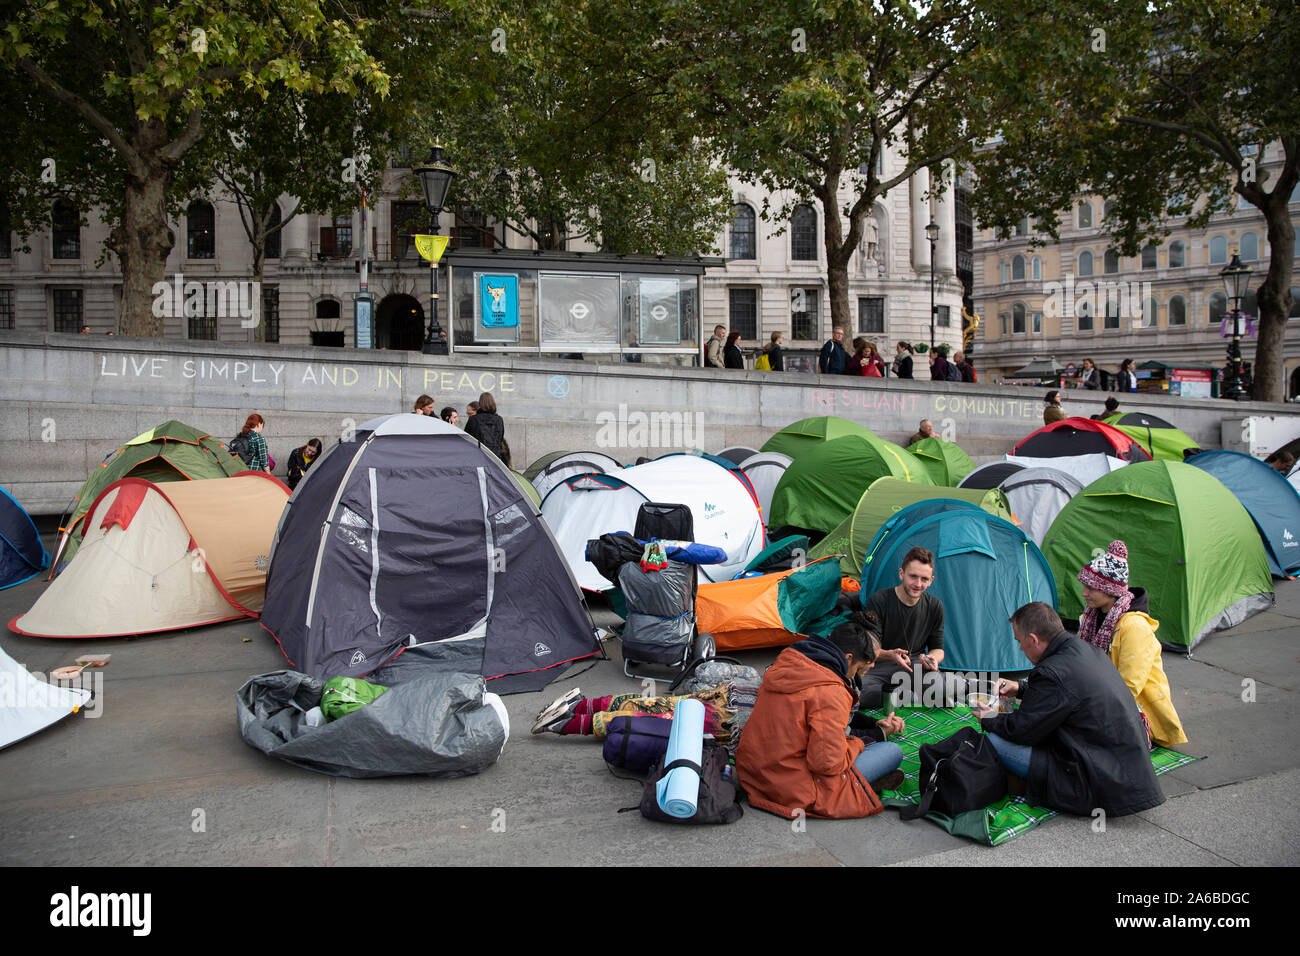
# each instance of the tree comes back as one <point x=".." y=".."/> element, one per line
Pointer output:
<point x="1169" y="111"/>
<point x="150" y="78"/>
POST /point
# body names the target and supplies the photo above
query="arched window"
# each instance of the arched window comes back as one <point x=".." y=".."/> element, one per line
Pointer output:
<point x="66" y="223"/>
<point x="1037" y="264"/>
<point x="1177" y="254"/>
<point x="1017" y="268"/>
<point x="200" y="231"/>
<point x="803" y="234"/>
<point x="1249" y="247"/>
<point x="743" y="245"/>
<point x="1083" y="311"/>
<point x="273" y="233"/>
<point x="1150" y="312"/>
<point x="1218" y="307"/>
<point x="1110" y="264"/>
<point x="1177" y="311"/>
<point x="1085" y="263"/>
<point x="1250" y="304"/>
<point x="1085" y="215"/>
<point x="1218" y="251"/>
<point x="1018" y="317"/>
<point x="1148" y="256"/>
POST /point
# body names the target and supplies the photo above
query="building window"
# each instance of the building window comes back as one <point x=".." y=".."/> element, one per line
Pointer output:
<point x="1022" y="227"/>
<point x="1036" y="322"/>
<point x="1106" y="209"/>
<point x="1110" y="262"/>
<point x="1085" y="263"/>
<point x="273" y="234"/>
<point x="202" y="327"/>
<point x="743" y="245"/>
<point x="336" y="239"/>
<point x="66" y="222"/>
<point x="406" y="219"/>
<point x="200" y="223"/>
<point x="1177" y="311"/>
<point x="327" y="309"/>
<point x="1018" y="318"/>
<point x="1148" y="256"/>
<point x="1249" y="247"/>
<point x="1002" y="267"/>
<point x="804" y="319"/>
<point x="471" y="230"/>
<point x="1017" y="268"/>
<point x="942" y="316"/>
<point x="7" y="309"/>
<point x="271" y="312"/>
<point x="1085" y="215"/>
<point x="743" y="312"/>
<point x="1295" y="303"/>
<point x="1150" y="312"/>
<point x="1037" y="271"/>
<point x="1110" y="317"/>
<point x="871" y="315"/>
<point x="1003" y="321"/>
<point x="1084" y="314"/>
<point x="1218" y="250"/>
<point x="803" y="234"/>
<point x="1218" y="307"/>
<point x="1177" y="254"/>
<point x="6" y="248"/>
<point x="68" y="310"/>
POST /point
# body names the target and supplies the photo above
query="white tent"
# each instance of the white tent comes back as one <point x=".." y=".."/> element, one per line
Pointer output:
<point x="764" y="470"/>
<point x="28" y="706"/>
<point x="1037" y="495"/>
<point x="574" y="463"/>
<point x="1087" y="468"/>
<point x="725" y="513"/>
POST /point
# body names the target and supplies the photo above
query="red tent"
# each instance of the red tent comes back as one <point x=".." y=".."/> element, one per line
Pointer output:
<point x="1080" y="436"/>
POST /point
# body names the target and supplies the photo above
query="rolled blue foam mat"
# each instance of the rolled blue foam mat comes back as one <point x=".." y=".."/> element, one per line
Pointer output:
<point x="679" y="790"/>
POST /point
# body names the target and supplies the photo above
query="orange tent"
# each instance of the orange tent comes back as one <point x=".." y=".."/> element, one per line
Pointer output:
<point x="770" y="610"/>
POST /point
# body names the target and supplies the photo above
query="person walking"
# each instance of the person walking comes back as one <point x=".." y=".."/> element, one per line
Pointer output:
<point x="903" y="360"/>
<point x="1128" y="381"/>
<point x="713" y="351"/>
<point x="489" y="428"/>
<point x="938" y="366"/>
<point x="732" y="357"/>
<point x="833" y="360"/>
<point x="775" y="355"/>
<point x="1089" y="377"/>
<point x="251" y="438"/>
<point x="873" y="366"/>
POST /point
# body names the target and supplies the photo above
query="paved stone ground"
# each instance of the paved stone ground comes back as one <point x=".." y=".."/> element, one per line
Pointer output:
<point x="122" y="787"/>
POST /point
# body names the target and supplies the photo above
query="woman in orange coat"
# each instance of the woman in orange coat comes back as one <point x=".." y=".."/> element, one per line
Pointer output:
<point x="796" y="753"/>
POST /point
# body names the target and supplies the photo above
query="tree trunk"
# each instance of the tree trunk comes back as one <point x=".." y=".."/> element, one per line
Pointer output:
<point x="144" y="240"/>
<point x="1274" y="298"/>
<point x="837" y="260"/>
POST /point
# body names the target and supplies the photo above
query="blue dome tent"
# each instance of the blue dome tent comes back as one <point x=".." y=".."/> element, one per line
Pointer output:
<point x="22" y="555"/>
<point x="1270" y="500"/>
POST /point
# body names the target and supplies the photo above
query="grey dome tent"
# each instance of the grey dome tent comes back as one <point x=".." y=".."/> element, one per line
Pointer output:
<point x="1036" y="496"/>
<point x="412" y="540"/>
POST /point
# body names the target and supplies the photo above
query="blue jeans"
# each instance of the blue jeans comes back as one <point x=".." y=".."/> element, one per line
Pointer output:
<point x="1015" y="757"/>
<point x="879" y="759"/>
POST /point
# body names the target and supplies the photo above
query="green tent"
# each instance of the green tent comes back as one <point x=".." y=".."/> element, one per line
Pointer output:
<point x="173" y="451"/>
<point x="1161" y="440"/>
<point x="527" y="487"/>
<point x="823" y="486"/>
<point x="884" y="499"/>
<point x="798" y="438"/>
<point x="533" y="470"/>
<point x="1190" y="542"/>
<point x="946" y="462"/>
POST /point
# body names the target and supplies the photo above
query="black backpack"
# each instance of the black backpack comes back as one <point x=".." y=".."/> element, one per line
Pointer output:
<point x="241" y="446"/>
<point x="959" y="773"/>
<point x="718" y="801"/>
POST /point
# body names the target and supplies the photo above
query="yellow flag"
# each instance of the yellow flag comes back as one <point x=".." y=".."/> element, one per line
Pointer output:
<point x="431" y="247"/>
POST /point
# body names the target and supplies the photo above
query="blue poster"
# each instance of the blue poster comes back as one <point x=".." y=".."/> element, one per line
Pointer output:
<point x="362" y="328"/>
<point x="499" y="301"/>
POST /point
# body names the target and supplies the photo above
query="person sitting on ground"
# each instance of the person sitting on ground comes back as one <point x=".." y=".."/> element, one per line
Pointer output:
<point x="911" y="629"/>
<point x="1112" y="408"/>
<point x="926" y="430"/>
<point x="1116" y="622"/>
<point x="572" y="713"/>
<point x="1281" y="461"/>
<point x="795" y="755"/>
<point x="300" y="459"/>
<point x="1052" y="412"/>
<point x="450" y="415"/>
<point x="1076" y="739"/>
<point x="732" y="357"/>
<point x="424" y="405"/>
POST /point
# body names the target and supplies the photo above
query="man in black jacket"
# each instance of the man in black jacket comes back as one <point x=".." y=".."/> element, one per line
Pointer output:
<point x="1077" y="737"/>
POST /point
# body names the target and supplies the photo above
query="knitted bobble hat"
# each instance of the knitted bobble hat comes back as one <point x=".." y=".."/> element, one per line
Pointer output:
<point x="1108" y="571"/>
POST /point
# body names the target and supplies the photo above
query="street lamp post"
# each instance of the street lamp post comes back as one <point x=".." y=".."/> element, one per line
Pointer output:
<point x="1235" y="278"/>
<point x="932" y="233"/>
<point x="435" y="179"/>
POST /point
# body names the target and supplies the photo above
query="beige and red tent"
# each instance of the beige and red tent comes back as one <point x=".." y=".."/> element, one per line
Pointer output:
<point x="161" y="557"/>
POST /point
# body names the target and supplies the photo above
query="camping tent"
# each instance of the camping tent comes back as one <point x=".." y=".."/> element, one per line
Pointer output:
<point x="1087" y="468"/>
<point x="737" y="454"/>
<point x="1158" y="438"/>
<point x="1190" y="542"/>
<point x="28" y="705"/>
<point x="884" y="499"/>
<point x="769" y="610"/>
<point x="411" y="539"/>
<point x="808" y="433"/>
<point x="945" y="461"/>
<point x="990" y="475"/>
<point x="173" y="451"/>
<point x="724" y="510"/>
<point x="764" y="470"/>
<point x="163" y="557"/>
<point x="823" y="486"/>
<point x="1036" y="497"/>
<point x="22" y="555"/>
<point x="527" y="488"/>
<point x="1267" y="497"/>
<point x="1079" y="436"/>
<point x="566" y="466"/>
<point x="985" y="568"/>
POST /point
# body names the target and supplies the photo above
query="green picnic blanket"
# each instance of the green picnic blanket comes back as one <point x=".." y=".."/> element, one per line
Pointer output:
<point x="998" y="822"/>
